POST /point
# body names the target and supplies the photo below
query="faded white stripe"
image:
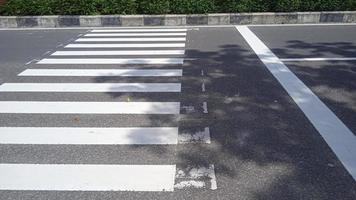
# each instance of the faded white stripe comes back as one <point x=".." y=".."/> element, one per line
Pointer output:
<point x="90" y="87"/>
<point x="337" y="135"/>
<point x="160" y="39"/>
<point x="316" y="59"/>
<point x="65" y="177"/>
<point x="127" y="45"/>
<point x="132" y="34"/>
<point x="139" y="30"/>
<point x="88" y="136"/>
<point x="118" y="53"/>
<point x="102" y="72"/>
<point x="196" y="177"/>
<point x="66" y="107"/>
<point x="93" y="61"/>
<point x="202" y="136"/>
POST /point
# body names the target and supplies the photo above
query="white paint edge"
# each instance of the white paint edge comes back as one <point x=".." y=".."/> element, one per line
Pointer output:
<point x="90" y="87"/>
<point x="137" y="39"/>
<point x="316" y="59"/>
<point x="128" y="45"/>
<point x="89" y="136"/>
<point x="132" y="34"/>
<point x="205" y="108"/>
<point x="203" y="89"/>
<point x="123" y="61"/>
<point x="196" y="177"/>
<point x="189" y="184"/>
<point x="67" y="107"/>
<point x="118" y="53"/>
<point x="104" y="72"/>
<point x="213" y="182"/>
<point x="66" y="177"/>
<point x="139" y="30"/>
<point x="339" y="138"/>
<point x="195" y="137"/>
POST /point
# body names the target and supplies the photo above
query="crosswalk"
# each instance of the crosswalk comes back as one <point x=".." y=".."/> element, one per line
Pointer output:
<point x="105" y="53"/>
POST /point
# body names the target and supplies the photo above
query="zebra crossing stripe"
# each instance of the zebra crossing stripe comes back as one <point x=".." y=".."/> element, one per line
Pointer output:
<point x="139" y="30"/>
<point x="123" y="61"/>
<point x="126" y="45"/>
<point x="196" y="177"/>
<point x="118" y="53"/>
<point x="132" y="34"/>
<point x="89" y="136"/>
<point x="180" y="39"/>
<point x="67" y="107"/>
<point x="69" y="177"/>
<point x="103" y="72"/>
<point x="90" y="87"/>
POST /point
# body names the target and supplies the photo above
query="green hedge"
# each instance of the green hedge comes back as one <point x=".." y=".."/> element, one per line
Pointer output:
<point x="93" y="7"/>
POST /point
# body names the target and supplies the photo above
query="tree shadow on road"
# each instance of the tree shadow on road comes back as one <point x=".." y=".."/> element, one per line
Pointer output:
<point x="262" y="144"/>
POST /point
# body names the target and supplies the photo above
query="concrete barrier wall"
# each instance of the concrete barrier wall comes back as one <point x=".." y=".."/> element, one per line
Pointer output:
<point x="177" y="20"/>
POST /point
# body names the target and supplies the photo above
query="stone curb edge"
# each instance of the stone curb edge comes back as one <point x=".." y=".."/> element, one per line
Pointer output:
<point x="177" y="20"/>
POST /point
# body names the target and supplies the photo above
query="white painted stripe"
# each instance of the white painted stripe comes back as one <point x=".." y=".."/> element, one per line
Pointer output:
<point x="132" y="34"/>
<point x="205" y="107"/>
<point x="103" y="72"/>
<point x="143" y="45"/>
<point x="67" y="107"/>
<point x="195" y="137"/>
<point x="90" y="87"/>
<point x="340" y="138"/>
<point x="118" y="53"/>
<point x="196" y="177"/>
<point x="317" y="59"/>
<point x="181" y="39"/>
<point x="93" y="61"/>
<point x="65" y="177"/>
<point x="88" y="136"/>
<point x="139" y="30"/>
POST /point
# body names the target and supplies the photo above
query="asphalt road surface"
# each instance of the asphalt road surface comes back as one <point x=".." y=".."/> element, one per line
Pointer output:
<point x="247" y="112"/>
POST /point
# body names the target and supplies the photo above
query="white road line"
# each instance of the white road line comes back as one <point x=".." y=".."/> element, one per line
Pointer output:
<point x="93" y="61"/>
<point x="132" y="34"/>
<point x="202" y="136"/>
<point x="103" y="72"/>
<point x="67" y="107"/>
<point x="316" y="59"/>
<point x="205" y="107"/>
<point x="66" y="177"/>
<point x="180" y="39"/>
<point x="203" y="89"/>
<point x="88" y="136"/>
<point x="143" y="45"/>
<point x="340" y="138"/>
<point x="139" y="30"/>
<point x="90" y="87"/>
<point x="196" y="177"/>
<point x="118" y="53"/>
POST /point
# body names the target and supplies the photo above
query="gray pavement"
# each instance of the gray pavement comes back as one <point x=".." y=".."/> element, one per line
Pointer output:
<point x="262" y="145"/>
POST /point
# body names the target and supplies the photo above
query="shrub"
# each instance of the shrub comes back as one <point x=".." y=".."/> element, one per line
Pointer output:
<point x="92" y="7"/>
<point x="153" y="6"/>
<point x="75" y="7"/>
<point x="255" y="6"/>
<point x="34" y="7"/>
<point x="109" y="7"/>
<point x="192" y="6"/>
<point x="287" y="5"/>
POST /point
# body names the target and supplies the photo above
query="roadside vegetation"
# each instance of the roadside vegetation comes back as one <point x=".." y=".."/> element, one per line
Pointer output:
<point x="107" y="7"/>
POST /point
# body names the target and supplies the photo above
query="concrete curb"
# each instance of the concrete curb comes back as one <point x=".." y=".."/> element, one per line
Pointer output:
<point x="177" y="20"/>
